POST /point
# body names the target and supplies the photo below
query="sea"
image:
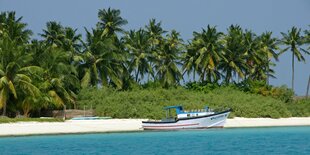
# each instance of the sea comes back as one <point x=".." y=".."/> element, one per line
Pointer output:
<point x="252" y="141"/>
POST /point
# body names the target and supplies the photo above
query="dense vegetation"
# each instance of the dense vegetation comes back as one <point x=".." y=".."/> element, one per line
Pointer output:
<point x="149" y="103"/>
<point x="14" y="120"/>
<point x="51" y="72"/>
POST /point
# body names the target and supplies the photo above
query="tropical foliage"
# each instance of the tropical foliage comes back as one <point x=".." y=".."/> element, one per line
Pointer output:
<point x="294" y="41"/>
<point x="50" y="73"/>
<point x="149" y="103"/>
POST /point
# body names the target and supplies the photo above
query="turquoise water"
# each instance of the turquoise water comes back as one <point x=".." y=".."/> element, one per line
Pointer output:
<point x="276" y="140"/>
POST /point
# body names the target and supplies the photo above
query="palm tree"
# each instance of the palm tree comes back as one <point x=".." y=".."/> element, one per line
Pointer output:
<point x="137" y="44"/>
<point x="88" y="70"/>
<point x="254" y="56"/>
<point x="104" y="60"/>
<point x="307" y="37"/>
<point x="155" y="32"/>
<point x="207" y="44"/>
<point x="15" y="74"/>
<point x="188" y="60"/>
<point x="72" y="41"/>
<point x="60" y="80"/>
<point x="105" y="50"/>
<point x="294" y="41"/>
<point x="262" y="71"/>
<point x="166" y="63"/>
<point x="234" y="59"/>
<point x="110" y="22"/>
<point x="14" y="28"/>
<point x="63" y="37"/>
<point x="54" y="34"/>
<point x="269" y="46"/>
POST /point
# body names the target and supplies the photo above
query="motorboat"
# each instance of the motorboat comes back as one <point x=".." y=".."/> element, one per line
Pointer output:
<point x="192" y="119"/>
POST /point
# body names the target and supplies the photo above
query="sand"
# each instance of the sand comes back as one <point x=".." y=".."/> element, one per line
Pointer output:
<point x="127" y="125"/>
<point x="70" y="126"/>
<point x="265" y="122"/>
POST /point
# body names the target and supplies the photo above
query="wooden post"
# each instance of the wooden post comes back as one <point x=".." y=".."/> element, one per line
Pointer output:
<point x="84" y="110"/>
<point x="64" y="114"/>
<point x="308" y="87"/>
<point x="91" y="109"/>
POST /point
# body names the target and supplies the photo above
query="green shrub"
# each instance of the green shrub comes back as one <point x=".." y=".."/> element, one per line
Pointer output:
<point x="149" y="103"/>
<point x="255" y="87"/>
<point x="300" y="108"/>
<point x="13" y="120"/>
<point x="202" y="86"/>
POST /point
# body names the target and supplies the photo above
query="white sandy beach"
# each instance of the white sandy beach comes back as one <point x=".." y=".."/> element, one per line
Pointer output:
<point x="126" y="125"/>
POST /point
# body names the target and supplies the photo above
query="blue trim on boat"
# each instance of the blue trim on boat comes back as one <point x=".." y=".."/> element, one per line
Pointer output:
<point x="178" y="108"/>
<point x="173" y="107"/>
<point x="181" y="119"/>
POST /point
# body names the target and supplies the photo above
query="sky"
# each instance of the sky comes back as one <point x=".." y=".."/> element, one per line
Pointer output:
<point x="184" y="16"/>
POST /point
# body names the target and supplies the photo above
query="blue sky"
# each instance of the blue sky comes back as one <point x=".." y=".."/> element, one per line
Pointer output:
<point x="183" y="15"/>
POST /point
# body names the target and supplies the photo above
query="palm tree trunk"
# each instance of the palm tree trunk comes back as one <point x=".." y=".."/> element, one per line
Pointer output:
<point x="194" y="75"/>
<point x="4" y="110"/>
<point x="227" y="78"/>
<point x="267" y="80"/>
<point x="137" y="74"/>
<point x="293" y="71"/>
<point x="203" y="76"/>
<point x="308" y="87"/>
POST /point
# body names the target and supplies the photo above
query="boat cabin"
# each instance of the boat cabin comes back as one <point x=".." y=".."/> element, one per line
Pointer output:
<point x="185" y="114"/>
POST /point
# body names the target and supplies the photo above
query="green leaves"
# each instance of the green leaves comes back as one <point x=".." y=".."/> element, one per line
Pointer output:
<point x="138" y="46"/>
<point x="294" y="41"/>
<point x="50" y="72"/>
<point x="110" y="22"/>
<point x="209" y="51"/>
<point x="13" y="28"/>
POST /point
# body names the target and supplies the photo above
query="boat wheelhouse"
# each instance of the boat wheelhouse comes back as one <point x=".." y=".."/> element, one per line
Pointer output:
<point x="193" y="119"/>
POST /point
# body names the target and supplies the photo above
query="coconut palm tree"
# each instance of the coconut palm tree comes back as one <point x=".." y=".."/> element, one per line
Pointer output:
<point x="88" y="70"/>
<point x="307" y="37"/>
<point x="72" y="40"/>
<point x="254" y="56"/>
<point x="155" y="32"/>
<point x="293" y="40"/>
<point x="105" y="50"/>
<point x="110" y="22"/>
<point x="137" y="44"/>
<point x="269" y="46"/>
<point x="234" y="59"/>
<point x="103" y="60"/>
<point x="60" y="79"/>
<point x="54" y="34"/>
<point x="166" y="63"/>
<point x="63" y="37"/>
<point x="14" y="28"/>
<point x="188" y="60"/>
<point x="207" y="44"/>
<point x="15" y="73"/>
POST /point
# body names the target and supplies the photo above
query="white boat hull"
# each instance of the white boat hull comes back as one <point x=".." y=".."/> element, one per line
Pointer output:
<point x="209" y="121"/>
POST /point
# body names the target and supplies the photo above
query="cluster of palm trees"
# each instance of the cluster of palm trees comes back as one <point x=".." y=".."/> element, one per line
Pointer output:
<point x="49" y="73"/>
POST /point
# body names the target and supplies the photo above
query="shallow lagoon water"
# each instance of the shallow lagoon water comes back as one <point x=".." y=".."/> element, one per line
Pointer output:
<point x="273" y="140"/>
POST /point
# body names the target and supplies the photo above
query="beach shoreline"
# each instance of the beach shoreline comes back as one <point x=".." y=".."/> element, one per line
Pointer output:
<point x="127" y="125"/>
